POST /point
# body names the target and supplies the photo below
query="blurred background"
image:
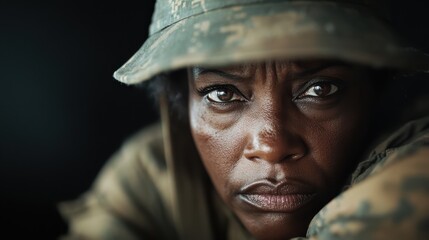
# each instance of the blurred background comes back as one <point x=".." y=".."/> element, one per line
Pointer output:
<point x="62" y="114"/>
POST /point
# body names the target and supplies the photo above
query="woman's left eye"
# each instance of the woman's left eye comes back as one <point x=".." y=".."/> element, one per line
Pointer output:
<point x="321" y="89"/>
<point x="224" y="95"/>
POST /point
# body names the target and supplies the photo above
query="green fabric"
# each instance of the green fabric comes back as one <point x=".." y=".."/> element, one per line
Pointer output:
<point x="217" y="32"/>
<point x="132" y="197"/>
<point x="388" y="195"/>
<point x="168" y="12"/>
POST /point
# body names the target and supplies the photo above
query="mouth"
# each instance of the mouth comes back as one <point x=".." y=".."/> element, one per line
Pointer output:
<point x="280" y="197"/>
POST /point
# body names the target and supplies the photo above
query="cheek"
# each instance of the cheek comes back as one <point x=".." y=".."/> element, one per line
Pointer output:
<point x="219" y="145"/>
<point x="337" y="144"/>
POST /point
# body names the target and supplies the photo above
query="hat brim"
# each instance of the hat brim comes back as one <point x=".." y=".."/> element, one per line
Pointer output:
<point x="289" y="30"/>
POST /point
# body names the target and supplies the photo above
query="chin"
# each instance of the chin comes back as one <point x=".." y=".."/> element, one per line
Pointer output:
<point x="276" y="225"/>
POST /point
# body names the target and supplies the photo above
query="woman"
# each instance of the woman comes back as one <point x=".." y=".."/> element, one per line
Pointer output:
<point x="280" y="101"/>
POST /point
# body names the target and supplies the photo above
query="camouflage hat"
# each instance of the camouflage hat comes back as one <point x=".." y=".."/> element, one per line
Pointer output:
<point x="218" y="32"/>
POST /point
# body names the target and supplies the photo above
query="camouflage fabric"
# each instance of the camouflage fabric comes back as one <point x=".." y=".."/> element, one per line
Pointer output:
<point x="218" y="32"/>
<point x="134" y="197"/>
<point x="389" y="193"/>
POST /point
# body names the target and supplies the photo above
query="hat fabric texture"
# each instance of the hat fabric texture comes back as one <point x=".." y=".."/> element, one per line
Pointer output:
<point x="217" y="32"/>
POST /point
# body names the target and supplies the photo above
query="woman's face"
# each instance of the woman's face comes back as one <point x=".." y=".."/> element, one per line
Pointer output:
<point x="278" y="138"/>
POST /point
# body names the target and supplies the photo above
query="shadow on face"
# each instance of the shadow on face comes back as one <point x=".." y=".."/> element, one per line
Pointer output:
<point x="279" y="138"/>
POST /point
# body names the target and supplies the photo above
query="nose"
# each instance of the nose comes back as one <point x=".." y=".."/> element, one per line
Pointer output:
<point x="275" y="141"/>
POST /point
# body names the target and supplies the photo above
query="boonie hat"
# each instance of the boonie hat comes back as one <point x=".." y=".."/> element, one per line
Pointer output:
<point x="223" y="32"/>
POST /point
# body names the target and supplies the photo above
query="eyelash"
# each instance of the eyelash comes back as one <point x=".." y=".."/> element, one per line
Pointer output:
<point x="338" y="84"/>
<point x="204" y="92"/>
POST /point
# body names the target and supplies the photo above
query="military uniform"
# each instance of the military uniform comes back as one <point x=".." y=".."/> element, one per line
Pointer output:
<point x="136" y="197"/>
<point x="156" y="188"/>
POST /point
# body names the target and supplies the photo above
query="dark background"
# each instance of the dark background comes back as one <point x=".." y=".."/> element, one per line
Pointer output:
<point x="62" y="113"/>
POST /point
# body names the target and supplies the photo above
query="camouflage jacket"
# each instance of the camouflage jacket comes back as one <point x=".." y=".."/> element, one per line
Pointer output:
<point x="138" y="196"/>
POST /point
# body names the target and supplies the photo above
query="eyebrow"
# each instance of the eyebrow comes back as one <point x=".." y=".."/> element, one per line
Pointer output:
<point x="308" y="71"/>
<point x="198" y="71"/>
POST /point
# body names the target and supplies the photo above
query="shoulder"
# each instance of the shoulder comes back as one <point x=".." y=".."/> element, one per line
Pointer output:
<point x="412" y="135"/>
<point x="137" y="170"/>
<point x="130" y="194"/>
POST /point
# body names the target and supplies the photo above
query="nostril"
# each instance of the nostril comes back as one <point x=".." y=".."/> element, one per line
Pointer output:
<point x="274" y="156"/>
<point x="251" y="155"/>
<point x="297" y="156"/>
<point x="252" y="158"/>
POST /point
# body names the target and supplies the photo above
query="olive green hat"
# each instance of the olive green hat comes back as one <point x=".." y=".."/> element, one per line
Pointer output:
<point x="222" y="32"/>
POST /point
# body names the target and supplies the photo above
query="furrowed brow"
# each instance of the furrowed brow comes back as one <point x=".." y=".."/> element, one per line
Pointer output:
<point x="200" y="71"/>
<point x="312" y="70"/>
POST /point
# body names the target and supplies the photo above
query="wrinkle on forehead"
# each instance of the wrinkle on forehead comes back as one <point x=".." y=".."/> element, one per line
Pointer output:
<point x="238" y="69"/>
<point x="271" y="68"/>
<point x="245" y="70"/>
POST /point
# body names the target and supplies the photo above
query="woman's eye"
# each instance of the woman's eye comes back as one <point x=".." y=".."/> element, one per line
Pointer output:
<point x="322" y="89"/>
<point x="224" y="95"/>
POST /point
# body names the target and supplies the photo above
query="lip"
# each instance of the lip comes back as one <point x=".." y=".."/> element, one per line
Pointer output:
<point x="284" y="196"/>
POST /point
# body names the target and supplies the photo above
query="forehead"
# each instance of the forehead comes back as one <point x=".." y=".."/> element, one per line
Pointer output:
<point x="296" y="66"/>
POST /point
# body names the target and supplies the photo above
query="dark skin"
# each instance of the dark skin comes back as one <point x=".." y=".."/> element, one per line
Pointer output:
<point x="278" y="139"/>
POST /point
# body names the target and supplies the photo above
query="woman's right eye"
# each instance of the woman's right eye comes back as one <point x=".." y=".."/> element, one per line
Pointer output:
<point x="224" y="95"/>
